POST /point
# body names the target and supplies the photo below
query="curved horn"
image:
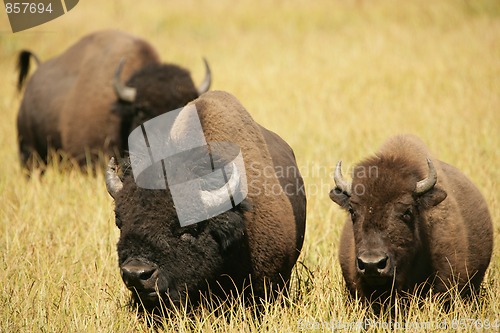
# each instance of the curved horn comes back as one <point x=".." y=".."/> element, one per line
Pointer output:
<point x="340" y="182"/>
<point x="216" y="198"/>
<point x="207" y="81"/>
<point x="428" y="183"/>
<point x="113" y="182"/>
<point x="123" y="92"/>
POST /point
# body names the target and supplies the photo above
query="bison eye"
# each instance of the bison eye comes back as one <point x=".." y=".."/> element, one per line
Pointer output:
<point x="118" y="220"/>
<point x="407" y="216"/>
<point x="140" y="108"/>
<point x="352" y="212"/>
<point x="187" y="237"/>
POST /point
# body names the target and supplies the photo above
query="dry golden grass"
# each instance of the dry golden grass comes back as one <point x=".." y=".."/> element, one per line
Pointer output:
<point x="333" y="78"/>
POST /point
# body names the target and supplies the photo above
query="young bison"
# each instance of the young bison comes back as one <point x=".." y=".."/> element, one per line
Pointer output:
<point x="414" y="222"/>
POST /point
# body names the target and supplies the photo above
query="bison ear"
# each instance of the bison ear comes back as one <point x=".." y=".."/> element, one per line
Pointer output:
<point x="432" y="198"/>
<point x="227" y="233"/>
<point x="339" y="197"/>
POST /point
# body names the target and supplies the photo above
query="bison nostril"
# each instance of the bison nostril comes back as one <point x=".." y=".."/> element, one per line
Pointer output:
<point x="361" y="265"/>
<point x="146" y="274"/>
<point x="382" y="263"/>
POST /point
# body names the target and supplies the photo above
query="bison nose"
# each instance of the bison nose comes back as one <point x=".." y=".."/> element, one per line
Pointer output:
<point x="373" y="264"/>
<point x="139" y="274"/>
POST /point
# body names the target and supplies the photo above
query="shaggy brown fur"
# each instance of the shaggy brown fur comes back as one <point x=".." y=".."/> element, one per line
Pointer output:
<point x="275" y="237"/>
<point x="440" y="239"/>
<point x="67" y="104"/>
<point x="258" y="241"/>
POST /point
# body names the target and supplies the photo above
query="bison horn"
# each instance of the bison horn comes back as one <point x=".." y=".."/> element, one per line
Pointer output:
<point x="207" y="81"/>
<point x="113" y="182"/>
<point x="123" y="92"/>
<point x="215" y="198"/>
<point x="428" y="183"/>
<point x="340" y="182"/>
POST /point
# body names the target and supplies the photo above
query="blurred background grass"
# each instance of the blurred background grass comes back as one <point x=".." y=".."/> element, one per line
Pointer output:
<point x="333" y="78"/>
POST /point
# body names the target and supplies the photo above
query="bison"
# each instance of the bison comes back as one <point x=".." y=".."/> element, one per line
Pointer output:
<point x="415" y="224"/>
<point x="68" y="104"/>
<point x="249" y="249"/>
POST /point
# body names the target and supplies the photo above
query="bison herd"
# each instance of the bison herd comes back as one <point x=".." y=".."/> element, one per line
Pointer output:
<point x="415" y="224"/>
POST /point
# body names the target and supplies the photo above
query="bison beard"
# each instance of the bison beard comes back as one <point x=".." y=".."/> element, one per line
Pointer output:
<point x="413" y="226"/>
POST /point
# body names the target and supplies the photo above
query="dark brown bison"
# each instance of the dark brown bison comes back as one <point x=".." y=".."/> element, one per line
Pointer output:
<point x="415" y="222"/>
<point x="67" y="104"/>
<point x="254" y="244"/>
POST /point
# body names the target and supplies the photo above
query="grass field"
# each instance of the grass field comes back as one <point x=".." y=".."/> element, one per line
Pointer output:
<point x="333" y="78"/>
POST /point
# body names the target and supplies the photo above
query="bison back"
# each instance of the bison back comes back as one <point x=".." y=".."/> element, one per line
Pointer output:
<point x="68" y="99"/>
<point x="275" y="223"/>
<point x="472" y="212"/>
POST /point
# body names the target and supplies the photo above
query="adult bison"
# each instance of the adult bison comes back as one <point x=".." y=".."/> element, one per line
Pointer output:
<point x="415" y="222"/>
<point x="67" y="104"/>
<point x="250" y="248"/>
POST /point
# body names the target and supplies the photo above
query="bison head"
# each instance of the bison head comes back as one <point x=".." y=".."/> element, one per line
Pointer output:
<point x="159" y="260"/>
<point x="387" y="202"/>
<point x="153" y="90"/>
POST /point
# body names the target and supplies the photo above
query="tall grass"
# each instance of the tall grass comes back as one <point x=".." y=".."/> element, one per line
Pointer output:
<point x="333" y="78"/>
